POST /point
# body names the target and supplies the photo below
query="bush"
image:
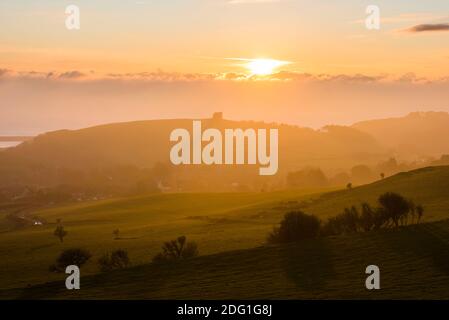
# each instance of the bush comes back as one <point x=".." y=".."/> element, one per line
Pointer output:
<point x="118" y="259"/>
<point x="295" y="227"/>
<point x="69" y="257"/>
<point x="177" y="250"/>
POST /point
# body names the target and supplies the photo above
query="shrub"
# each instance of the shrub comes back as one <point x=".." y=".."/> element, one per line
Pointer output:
<point x="295" y="226"/>
<point x="118" y="259"/>
<point x="177" y="250"/>
<point x="75" y="256"/>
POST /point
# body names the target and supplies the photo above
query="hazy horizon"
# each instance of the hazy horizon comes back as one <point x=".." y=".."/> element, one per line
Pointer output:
<point x="276" y="61"/>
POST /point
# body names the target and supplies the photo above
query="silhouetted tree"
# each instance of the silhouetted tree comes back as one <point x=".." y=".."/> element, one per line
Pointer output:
<point x="395" y="206"/>
<point x="118" y="259"/>
<point x="420" y="212"/>
<point x="380" y="219"/>
<point x="295" y="226"/>
<point x="412" y="211"/>
<point x="382" y="175"/>
<point x="349" y="186"/>
<point x="116" y="234"/>
<point x="176" y="250"/>
<point x="367" y="218"/>
<point x="60" y="233"/>
<point x="76" y="256"/>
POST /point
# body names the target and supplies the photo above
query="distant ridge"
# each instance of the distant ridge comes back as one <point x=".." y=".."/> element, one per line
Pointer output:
<point x="15" y="138"/>
<point x="418" y="133"/>
<point x="144" y="143"/>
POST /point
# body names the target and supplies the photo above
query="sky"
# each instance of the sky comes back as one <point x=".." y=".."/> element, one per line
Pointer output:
<point x="144" y="59"/>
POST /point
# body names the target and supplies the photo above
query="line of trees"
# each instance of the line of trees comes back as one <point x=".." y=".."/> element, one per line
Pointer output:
<point x="393" y="210"/>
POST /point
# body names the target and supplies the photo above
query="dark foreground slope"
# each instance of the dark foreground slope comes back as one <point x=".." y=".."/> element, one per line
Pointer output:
<point x="414" y="263"/>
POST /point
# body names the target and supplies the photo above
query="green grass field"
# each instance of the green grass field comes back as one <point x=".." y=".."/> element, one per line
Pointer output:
<point x="221" y="222"/>
<point x="216" y="221"/>
<point x="413" y="262"/>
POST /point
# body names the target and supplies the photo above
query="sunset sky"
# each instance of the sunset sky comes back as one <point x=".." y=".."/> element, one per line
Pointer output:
<point x="213" y="40"/>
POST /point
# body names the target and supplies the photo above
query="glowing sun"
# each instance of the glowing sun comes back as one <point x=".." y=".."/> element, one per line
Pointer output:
<point x="264" y="66"/>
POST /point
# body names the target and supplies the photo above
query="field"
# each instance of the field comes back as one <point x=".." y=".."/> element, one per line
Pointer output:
<point x="413" y="260"/>
<point x="217" y="221"/>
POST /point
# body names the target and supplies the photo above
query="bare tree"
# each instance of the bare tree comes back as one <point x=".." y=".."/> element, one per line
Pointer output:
<point x="60" y="233"/>
<point x="420" y="212"/>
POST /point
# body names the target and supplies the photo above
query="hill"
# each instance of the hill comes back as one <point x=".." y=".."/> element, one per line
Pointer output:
<point x="413" y="261"/>
<point x="427" y="186"/>
<point x="416" y="134"/>
<point x="64" y="157"/>
<point x="218" y="222"/>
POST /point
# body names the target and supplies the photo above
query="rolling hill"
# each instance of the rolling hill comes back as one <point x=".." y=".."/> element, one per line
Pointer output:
<point x="218" y="222"/>
<point x="413" y="262"/>
<point x="144" y="144"/>
<point x="412" y="135"/>
<point x="427" y="186"/>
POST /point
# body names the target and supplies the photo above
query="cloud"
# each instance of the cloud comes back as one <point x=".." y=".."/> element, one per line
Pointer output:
<point x="428" y="28"/>
<point x="160" y="76"/>
<point x="3" y="72"/>
<point x="71" y="75"/>
<point x="33" y="102"/>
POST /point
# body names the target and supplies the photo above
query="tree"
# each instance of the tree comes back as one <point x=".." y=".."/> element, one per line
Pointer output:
<point x="349" y="186"/>
<point x="295" y="227"/>
<point x="60" y="233"/>
<point x="116" y="234"/>
<point x="307" y="178"/>
<point x="366" y="220"/>
<point x="412" y="211"/>
<point x="177" y="250"/>
<point x="382" y="175"/>
<point x="118" y="259"/>
<point x="395" y="206"/>
<point x="420" y="212"/>
<point x="75" y="256"/>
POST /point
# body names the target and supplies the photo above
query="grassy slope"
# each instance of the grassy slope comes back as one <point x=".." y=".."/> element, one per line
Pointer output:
<point x="218" y="222"/>
<point x="428" y="186"/>
<point x="414" y="263"/>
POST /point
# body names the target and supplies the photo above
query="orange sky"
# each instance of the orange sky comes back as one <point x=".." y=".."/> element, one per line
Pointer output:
<point x="146" y="59"/>
<point x="197" y="36"/>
